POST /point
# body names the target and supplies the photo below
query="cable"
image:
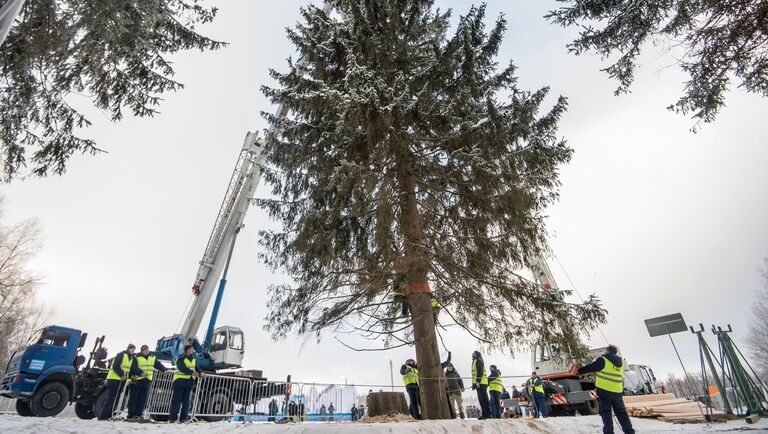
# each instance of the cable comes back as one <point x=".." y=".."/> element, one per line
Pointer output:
<point x="178" y="326"/>
<point x="567" y="276"/>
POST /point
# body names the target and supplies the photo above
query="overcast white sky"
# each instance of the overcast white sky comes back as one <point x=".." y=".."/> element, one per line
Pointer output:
<point x="653" y="219"/>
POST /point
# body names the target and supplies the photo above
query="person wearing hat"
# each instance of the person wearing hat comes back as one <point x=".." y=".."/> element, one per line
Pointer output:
<point x="480" y="384"/>
<point x="183" y="383"/>
<point x="609" y="382"/>
<point x="495" y="388"/>
<point x="120" y="368"/>
<point x="139" y="389"/>
<point x="410" y="373"/>
<point x="536" y="391"/>
<point x="454" y="386"/>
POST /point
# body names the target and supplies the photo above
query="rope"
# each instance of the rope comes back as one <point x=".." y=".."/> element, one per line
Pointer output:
<point x="576" y="290"/>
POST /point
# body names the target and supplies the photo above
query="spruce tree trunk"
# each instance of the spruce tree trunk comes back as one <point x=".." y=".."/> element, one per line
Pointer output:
<point x="434" y="403"/>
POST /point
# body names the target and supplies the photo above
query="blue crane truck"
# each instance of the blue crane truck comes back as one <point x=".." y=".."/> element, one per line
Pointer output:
<point x="49" y="373"/>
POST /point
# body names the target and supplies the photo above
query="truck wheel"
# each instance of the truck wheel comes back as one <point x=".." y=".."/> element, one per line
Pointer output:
<point x="49" y="399"/>
<point x="590" y="408"/>
<point x="98" y="403"/>
<point x="217" y="403"/>
<point x="84" y="411"/>
<point x="23" y="408"/>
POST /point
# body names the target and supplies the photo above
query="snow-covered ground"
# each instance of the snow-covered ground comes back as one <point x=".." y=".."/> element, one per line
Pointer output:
<point x="561" y="425"/>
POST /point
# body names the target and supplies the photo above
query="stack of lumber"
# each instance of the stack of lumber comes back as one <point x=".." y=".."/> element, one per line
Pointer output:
<point x="668" y="408"/>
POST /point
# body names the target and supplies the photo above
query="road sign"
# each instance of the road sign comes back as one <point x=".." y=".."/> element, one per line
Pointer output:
<point x="665" y="325"/>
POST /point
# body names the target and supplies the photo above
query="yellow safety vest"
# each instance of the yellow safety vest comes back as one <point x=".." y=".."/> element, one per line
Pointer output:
<point x="191" y="364"/>
<point x="411" y="376"/>
<point x="610" y="377"/>
<point x="496" y="385"/>
<point x="532" y="388"/>
<point x="125" y="365"/>
<point x="147" y="365"/>
<point x="484" y="379"/>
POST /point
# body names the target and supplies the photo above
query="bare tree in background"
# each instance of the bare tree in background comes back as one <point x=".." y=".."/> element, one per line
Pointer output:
<point x="20" y="313"/>
<point x="758" y="326"/>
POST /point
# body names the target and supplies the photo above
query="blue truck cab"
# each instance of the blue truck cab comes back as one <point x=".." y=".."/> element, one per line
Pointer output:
<point x="42" y="375"/>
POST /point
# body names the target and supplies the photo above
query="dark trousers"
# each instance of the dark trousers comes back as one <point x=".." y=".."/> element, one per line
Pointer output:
<point x="113" y="390"/>
<point x="137" y="398"/>
<point x="495" y="404"/>
<point x="485" y="405"/>
<point x="182" y="393"/>
<point x="539" y="405"/>
<point x="608" y="401"/>
<point x="413" y="396"/>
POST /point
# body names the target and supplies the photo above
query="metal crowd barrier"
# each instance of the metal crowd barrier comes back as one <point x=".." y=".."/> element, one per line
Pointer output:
<point x="231" y="397"/>
<point x="7" y="405"/>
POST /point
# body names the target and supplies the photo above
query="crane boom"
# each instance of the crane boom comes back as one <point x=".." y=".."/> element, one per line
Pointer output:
<point x="218" y="251"/>
<point x="245" y="178"/>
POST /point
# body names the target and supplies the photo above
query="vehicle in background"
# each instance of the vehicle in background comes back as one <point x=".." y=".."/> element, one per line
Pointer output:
<point x="566" y="391"/>
<point x="48" y="374"/>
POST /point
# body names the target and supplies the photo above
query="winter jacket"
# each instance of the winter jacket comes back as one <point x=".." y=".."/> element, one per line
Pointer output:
<point x="599" y="363"/>
<point x="453" y="383"/>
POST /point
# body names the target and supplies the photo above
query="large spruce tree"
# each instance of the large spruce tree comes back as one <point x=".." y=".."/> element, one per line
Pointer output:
<point x="409" y="155"/>
<point x="115" y="53"/>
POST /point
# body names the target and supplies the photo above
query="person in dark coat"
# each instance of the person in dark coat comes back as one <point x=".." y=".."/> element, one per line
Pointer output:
<point x="302" y="410"/>
<point x="454" y="386"/>
<point x="272" y="410"/>
<point x="410" y="373"/>
<point x="146" y="363"/>
<point x="536" y="392"/>
<point x="609" y="383"/>
<point x="495" y="388"/>
<point x="480" y="384"/>
<point x="353" y="411"/>
<point x="120" y="369"/>
<point x="187" y="371"/>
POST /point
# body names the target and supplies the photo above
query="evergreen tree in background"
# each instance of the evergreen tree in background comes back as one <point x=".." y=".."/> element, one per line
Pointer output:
<point x="114" y="52"/>
<point x="408" y="156"/>
<point x="713" y="41"/>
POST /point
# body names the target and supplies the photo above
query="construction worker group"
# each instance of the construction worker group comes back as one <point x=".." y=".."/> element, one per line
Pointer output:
<point x="491" y="393"/>
<point x="136" y="371"/>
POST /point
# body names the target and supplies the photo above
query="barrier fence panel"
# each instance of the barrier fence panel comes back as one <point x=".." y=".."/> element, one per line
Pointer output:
<point x="159" y="396"/>
<point x="7" y="405"/>
<point x="221" y="396"/>
<point x="300" y="402"/>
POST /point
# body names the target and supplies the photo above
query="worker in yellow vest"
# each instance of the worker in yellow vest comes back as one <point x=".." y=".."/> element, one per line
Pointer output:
<point x="495" y="388"/>
<point x="410" y="373"/>
<point x="120" y="368"/>
<point x="609" y="383"/>
<point x="536" y="392"/>
<point x="398" y="295"/>
<point x="183" y="383"/>
<point x="139" y="389"/>
<point x="480" y="384"/>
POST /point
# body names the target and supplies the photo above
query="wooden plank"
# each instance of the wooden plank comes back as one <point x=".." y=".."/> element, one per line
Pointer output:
<point x="656" y="403"/>
<point x="646" y="398"/>
<point x="681" y="417"/>
<point x="677" y="409"/>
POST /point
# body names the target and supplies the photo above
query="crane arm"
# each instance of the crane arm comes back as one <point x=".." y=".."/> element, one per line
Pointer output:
<point x="245" y="178"/>
<point x="229" y="221"/>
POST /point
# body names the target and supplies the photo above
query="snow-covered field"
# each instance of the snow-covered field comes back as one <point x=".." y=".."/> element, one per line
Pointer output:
<point x="561" y="425"/>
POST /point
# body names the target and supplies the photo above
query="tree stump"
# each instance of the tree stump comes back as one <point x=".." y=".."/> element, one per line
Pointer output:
<point x="386" y="404"/>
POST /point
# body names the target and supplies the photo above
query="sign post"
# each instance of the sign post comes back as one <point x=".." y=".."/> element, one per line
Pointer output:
<point x="666" y="325"/>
